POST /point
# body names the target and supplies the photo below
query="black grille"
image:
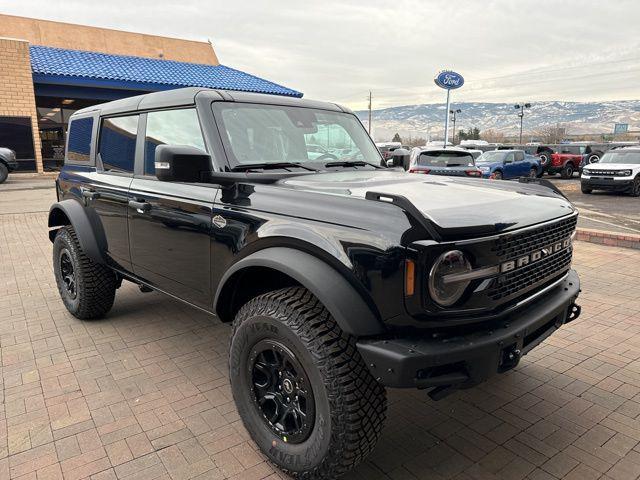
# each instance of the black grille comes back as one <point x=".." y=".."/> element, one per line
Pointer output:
<point x="537" y="273"/>
<point x="518" y="244"/>
<point x="605" y="173"/>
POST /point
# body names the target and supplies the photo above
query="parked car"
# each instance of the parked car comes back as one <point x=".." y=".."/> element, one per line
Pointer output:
<point x="452" y="161"/>
<point x="508" y="164"/>
<point x="566" y="159"/>
<point x="387" y="148"/>
<point x="8" y="163"/>
<point x="340" y="277"/>
<point x="617" y="171"/>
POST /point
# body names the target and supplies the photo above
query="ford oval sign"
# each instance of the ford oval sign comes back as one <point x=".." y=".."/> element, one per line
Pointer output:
<point x="449" y="80"/>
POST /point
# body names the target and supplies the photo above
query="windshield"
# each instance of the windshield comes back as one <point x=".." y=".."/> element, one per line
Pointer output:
<point x="259" y="134"/>
<point x="445" y="159"/>
<point x="492" y="156"/>
<point x="621" y="157"/>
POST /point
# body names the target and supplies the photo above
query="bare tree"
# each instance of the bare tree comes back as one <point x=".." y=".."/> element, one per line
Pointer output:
<point x="492" y="136"/>
<point x="551" y="134"/>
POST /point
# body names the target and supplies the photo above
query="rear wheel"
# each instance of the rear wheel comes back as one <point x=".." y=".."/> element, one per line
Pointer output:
<point x="4" y="172"/>
<point x="567" y="171"/>
<point x="86" y="288"/>
<point x="301" y="387"/>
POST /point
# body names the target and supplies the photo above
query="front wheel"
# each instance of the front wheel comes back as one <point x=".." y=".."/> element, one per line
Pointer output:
<point x="635" y="187"/>
<point x="87" y="289"/>
<point x="497" y="175"/>
<point x="585" y="189"/>
<point x="301" y="388"/>
<point x="533" y="173"/>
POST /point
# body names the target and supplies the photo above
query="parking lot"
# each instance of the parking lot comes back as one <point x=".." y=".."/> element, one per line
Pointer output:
<point x="602" y="210"/>
<point x="144" y="393"/>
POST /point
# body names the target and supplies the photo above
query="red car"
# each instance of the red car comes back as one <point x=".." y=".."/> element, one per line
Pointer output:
<point x="566" y="159"/>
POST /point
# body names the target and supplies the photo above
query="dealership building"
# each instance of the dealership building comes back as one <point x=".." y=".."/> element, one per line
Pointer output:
<point x="48" y="70"/>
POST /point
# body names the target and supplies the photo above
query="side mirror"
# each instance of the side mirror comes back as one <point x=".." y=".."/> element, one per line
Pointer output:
<point x="181" y="163"/>
<point x="400" y="158"/>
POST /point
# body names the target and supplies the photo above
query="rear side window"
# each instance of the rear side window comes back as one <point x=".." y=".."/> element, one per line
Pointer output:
<point x="117" y="146"/>
<point x="170" y="127"/>
<point x="79" y="140"/>
<point x="519" y="156"/>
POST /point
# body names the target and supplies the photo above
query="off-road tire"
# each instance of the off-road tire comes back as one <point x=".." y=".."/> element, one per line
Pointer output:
<point x="635" y="187"/>
<point x="350" y="405"/>
<point x="95" y="283"/>
<point x="585" y="190"/>
<point x="567" y="171"/>
<point x="4" y="172"/>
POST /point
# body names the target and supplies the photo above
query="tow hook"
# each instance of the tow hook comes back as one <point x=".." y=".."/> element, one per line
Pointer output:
<point x="574" y="312"/>
<point x="510" y="358"/>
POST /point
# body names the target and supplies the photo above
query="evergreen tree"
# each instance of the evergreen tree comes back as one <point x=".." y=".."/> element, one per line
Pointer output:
<point x="397" y="138"/>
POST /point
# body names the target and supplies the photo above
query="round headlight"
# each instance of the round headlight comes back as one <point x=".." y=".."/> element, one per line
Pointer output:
<point x="444" y="288"/>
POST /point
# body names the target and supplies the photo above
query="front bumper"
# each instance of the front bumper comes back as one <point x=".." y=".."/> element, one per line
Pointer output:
<point x="462" y="360"/>
<point x="612" y="184"/>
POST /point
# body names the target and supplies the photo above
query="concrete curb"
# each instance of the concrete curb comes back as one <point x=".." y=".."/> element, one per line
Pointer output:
<point x="611" y="239"/>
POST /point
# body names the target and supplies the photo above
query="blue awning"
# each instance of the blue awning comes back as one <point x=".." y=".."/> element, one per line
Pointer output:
<point x="60" y="66"/>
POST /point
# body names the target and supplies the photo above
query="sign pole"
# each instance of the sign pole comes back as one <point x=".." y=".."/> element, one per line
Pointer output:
<point x="446" y="121"/>
<point x="449" y="81"/>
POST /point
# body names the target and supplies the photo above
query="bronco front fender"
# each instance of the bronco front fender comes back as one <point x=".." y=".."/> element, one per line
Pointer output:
<point x="86" y="224"/>
<point x="329" y="286"/>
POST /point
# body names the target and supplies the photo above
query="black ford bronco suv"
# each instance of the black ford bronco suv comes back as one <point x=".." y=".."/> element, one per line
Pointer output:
<point x="340" y="277"/>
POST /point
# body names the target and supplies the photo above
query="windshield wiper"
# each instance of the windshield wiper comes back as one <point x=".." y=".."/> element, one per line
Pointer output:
<point x="270" y="166"/>
<point x="355" y="163"/>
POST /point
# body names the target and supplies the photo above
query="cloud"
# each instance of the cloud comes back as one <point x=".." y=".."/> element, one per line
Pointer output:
<point x="340" y="49"/>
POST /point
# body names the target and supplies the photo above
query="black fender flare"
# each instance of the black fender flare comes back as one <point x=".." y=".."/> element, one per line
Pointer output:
<point x="330" y="287"/>
<point x="86" y="224"/>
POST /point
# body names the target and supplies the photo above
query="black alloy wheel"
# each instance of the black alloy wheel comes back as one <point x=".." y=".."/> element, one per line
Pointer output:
<point x="282" y="391"/>
<point x="635" y="187"/>
<point x="68" y="273"/>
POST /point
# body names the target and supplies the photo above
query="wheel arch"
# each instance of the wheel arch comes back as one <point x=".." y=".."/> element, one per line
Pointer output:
<point x="284" y="266"/>
<point x="85" y="223"/>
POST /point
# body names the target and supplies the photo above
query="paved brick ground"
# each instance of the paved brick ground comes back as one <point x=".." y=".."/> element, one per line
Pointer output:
<point x="144" y="394"/>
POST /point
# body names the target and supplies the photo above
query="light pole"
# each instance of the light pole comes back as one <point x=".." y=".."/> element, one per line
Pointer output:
<point x="453" y="114"/>
<point x="521" y="107"/>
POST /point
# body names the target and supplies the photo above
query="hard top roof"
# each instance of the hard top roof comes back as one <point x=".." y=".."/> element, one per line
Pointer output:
<point x="187" y="96"/>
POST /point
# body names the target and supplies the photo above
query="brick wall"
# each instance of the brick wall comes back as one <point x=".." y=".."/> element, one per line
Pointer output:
<point x="17" y="97"/>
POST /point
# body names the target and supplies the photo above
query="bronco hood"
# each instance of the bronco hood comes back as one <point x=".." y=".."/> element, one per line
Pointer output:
<point x="456" y="207"/>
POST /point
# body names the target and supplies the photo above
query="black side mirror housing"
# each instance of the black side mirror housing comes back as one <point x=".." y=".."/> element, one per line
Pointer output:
<point x="401" y="158"/>
<point x="182" y="163"/>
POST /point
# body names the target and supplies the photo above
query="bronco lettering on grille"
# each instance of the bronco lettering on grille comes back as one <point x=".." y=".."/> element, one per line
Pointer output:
<point x="535" y="256"/>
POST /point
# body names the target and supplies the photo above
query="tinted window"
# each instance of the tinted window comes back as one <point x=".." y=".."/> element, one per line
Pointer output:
<point x="171" y="127"/>
<point x="16" y="134"/>
<point x="445" y="159"/>
<point x="118" y="143"/>
<point x="79" y="140"/>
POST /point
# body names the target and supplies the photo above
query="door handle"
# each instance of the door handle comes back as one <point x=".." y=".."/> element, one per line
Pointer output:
<point x="90" y="194"/>
<point x="140" y="206"/>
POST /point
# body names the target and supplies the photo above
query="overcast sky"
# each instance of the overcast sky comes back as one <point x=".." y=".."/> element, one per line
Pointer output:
<point x="507" y="50"/>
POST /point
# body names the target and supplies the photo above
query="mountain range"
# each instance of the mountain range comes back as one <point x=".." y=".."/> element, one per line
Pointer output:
<point x="575" y="117"/>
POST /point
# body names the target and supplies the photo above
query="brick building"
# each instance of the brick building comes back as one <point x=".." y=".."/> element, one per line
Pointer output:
<point x="50" y="69"/>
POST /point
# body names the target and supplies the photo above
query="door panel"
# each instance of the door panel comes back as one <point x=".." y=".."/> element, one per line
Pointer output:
<point x="169" y="232"/>
<point x="108" y="195"/>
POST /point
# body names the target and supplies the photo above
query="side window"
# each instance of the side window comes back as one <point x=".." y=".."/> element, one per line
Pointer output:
<point x="170" y="127"/>
<point x="509" y="157"/>
<point x="79" y="139"/>
<point x="117" y="146"/>
<point x="519" y="156"/>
